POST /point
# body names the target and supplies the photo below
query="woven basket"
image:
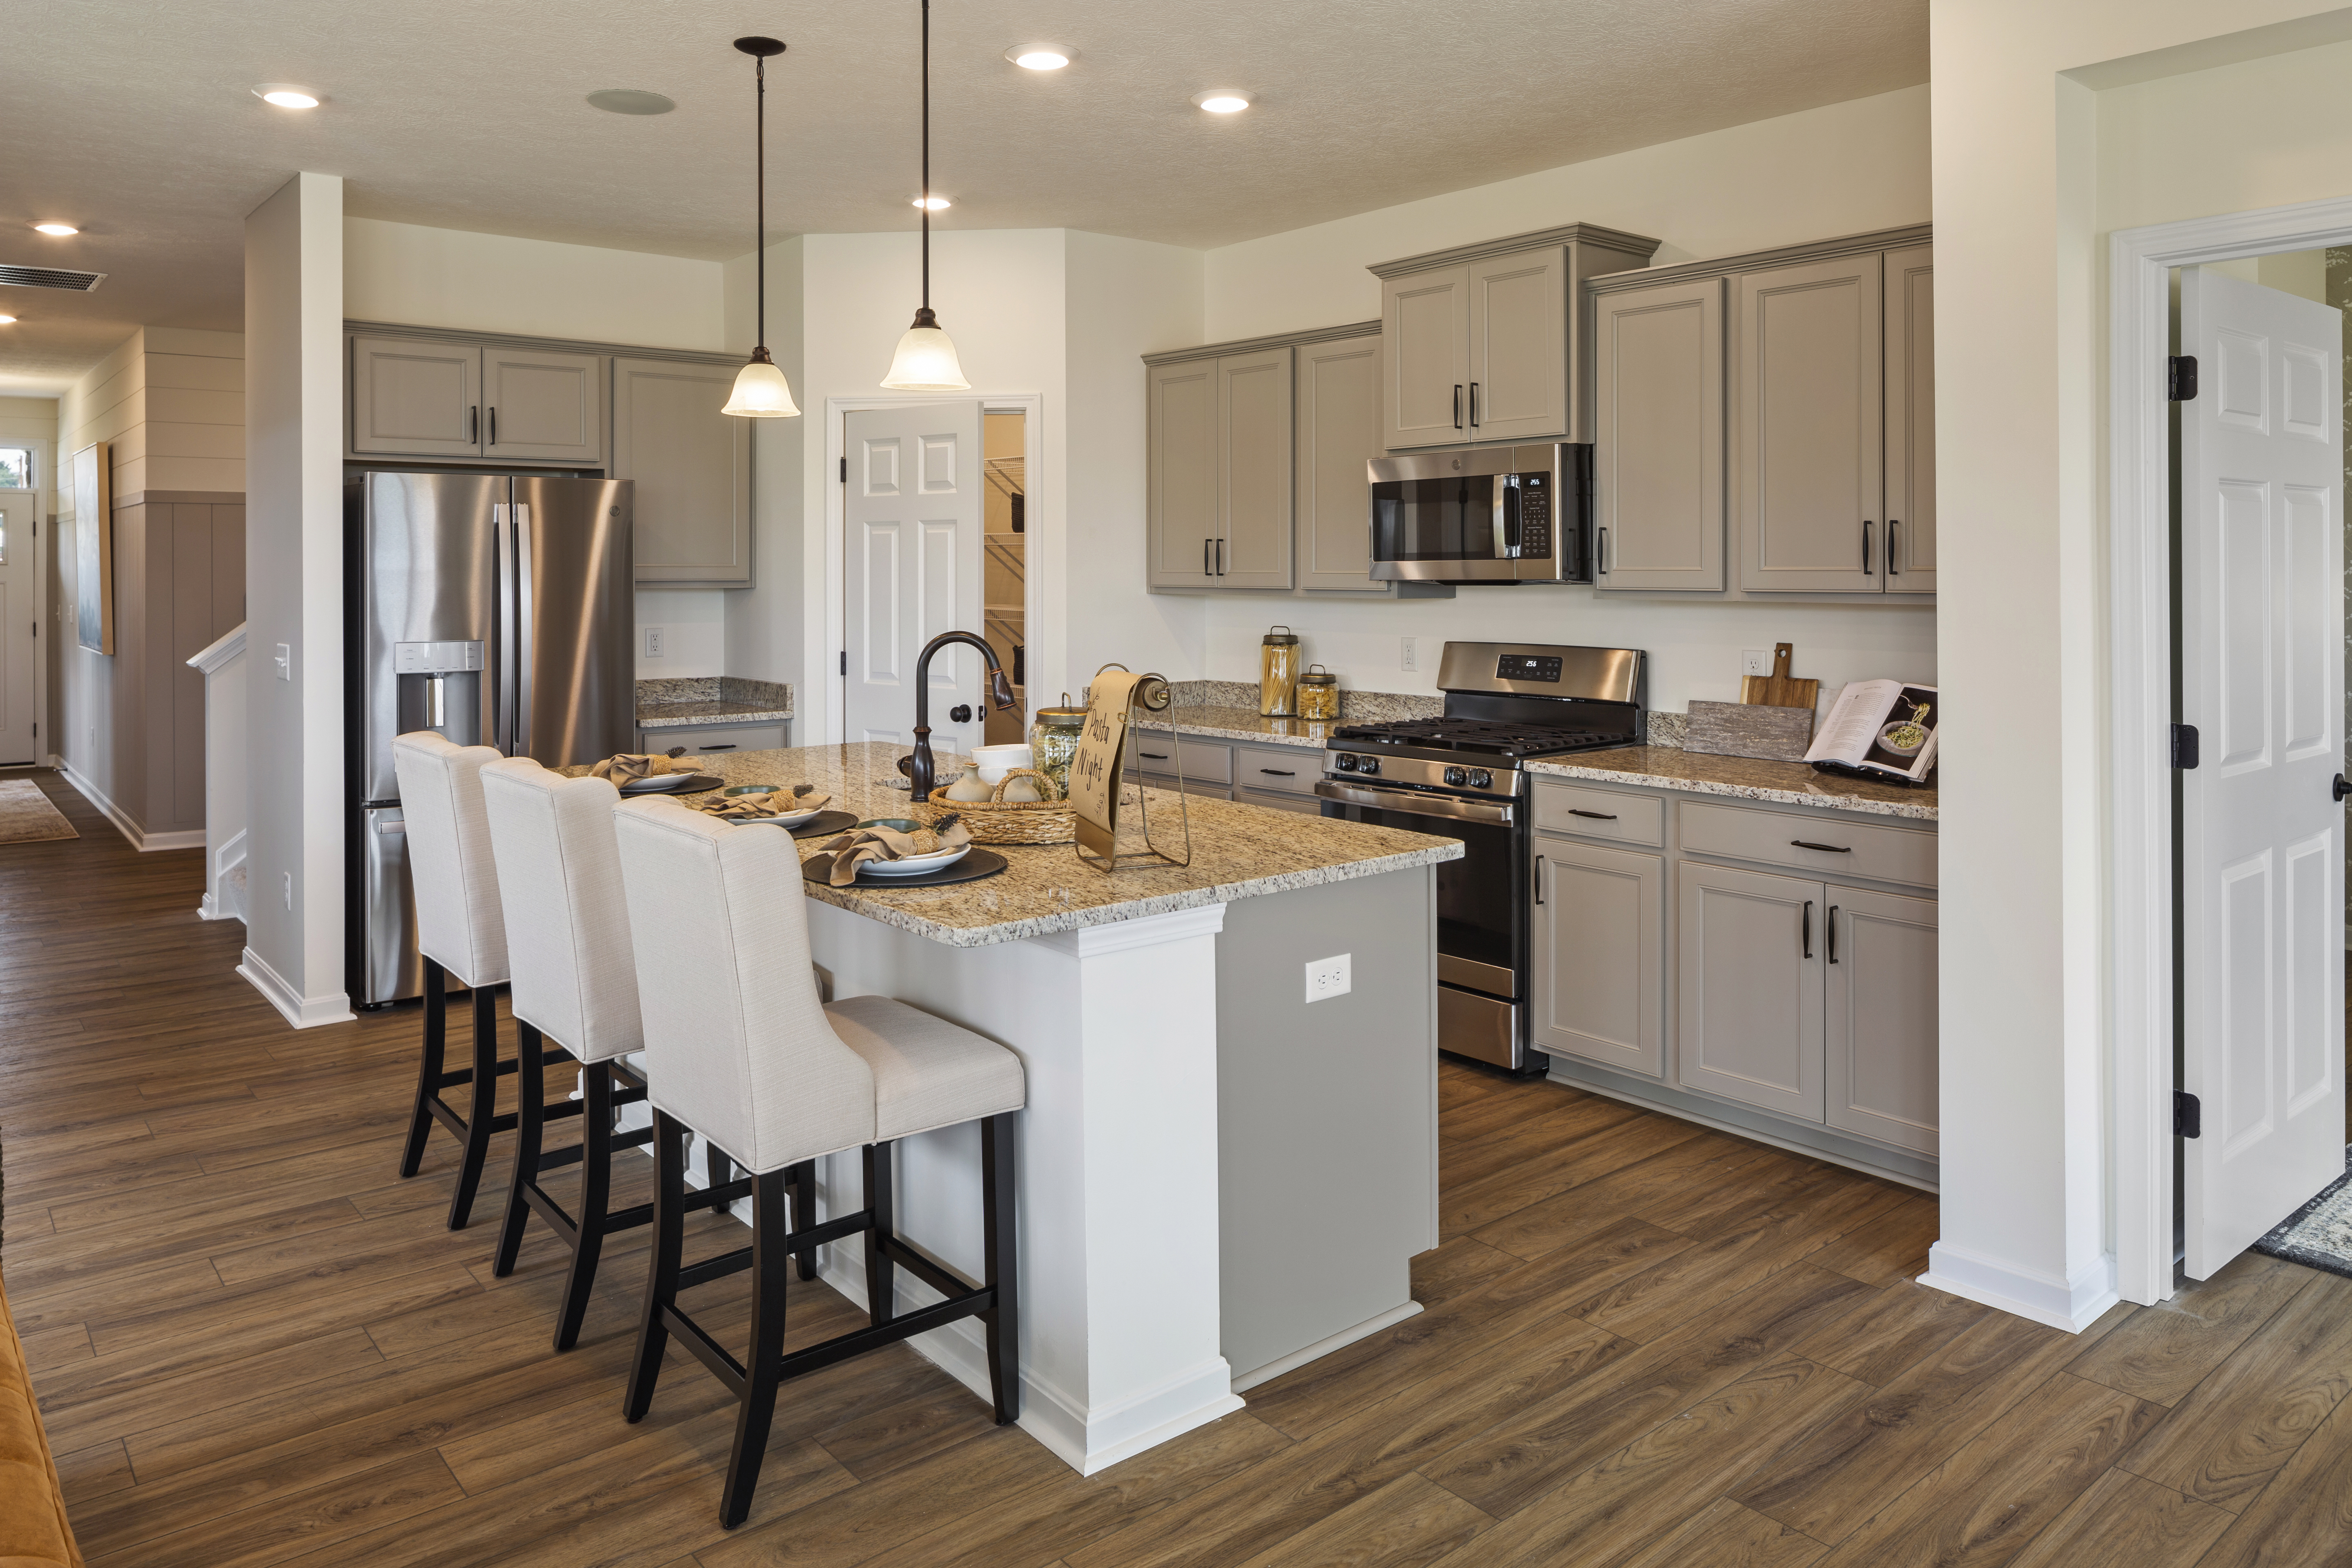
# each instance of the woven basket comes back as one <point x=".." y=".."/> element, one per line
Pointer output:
<point x="1002" y="821"/>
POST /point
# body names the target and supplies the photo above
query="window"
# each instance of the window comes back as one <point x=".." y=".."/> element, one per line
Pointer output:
<point x="16" y="467"/>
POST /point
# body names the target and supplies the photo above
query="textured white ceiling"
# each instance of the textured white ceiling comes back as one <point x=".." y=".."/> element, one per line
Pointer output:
<point x="136" y="120"/>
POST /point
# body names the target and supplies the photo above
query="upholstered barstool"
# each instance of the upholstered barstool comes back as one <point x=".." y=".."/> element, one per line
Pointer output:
<point x="575" y="984"/>
<point x="741" y="1049"/>
<point x="460" y="930"/>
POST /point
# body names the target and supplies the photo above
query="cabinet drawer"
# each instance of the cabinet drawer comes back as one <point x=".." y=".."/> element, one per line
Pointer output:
<point x="1305" y="805"/>
<point x="1600" y="813"/>
<point x="1204" y="761"/>
<point x="1290" y="769"/>
<point x="1817" y="845"/>
<point x="718" y="738"/>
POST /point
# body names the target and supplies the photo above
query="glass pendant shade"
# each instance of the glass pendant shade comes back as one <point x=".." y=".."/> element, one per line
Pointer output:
<point x="925" y="360"/>
<point x="761" y="392"/>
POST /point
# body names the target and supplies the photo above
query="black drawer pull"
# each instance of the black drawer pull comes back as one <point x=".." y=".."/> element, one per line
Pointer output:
<point x="1278" y="772"/>
<point x="1596" y="815"/>
<point x="1826" y="849"/>
<point x="1156" y="756"/>
<point x="727" y="747"/>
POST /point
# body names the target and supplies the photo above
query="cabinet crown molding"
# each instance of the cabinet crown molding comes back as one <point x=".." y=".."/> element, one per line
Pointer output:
<point x="1566" y="233"/>
<point x="544" y="345"/>
<point x="1271" y="340"/>
<point x="1761" y="260"/>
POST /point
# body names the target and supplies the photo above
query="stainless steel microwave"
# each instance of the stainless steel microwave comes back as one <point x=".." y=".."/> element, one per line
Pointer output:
<point x="1485" y="514"/>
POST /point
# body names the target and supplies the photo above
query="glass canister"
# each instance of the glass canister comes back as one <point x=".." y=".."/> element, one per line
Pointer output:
<point x="1319" y="693"/>
<point x="1054" y="741"/>
<point x="1278" y="674"/>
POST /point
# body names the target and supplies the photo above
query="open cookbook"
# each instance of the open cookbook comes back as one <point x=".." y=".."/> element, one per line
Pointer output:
<point x="1879" y="730"/>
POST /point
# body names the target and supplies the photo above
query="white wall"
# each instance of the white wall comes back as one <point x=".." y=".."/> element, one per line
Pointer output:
<point x="765" y="623"/>
<point x="533" y="288"/>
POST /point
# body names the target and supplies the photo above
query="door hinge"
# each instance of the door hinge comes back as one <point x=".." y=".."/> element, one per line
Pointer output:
<point x="2184" y="745"/>
<point x="2180" y="378"/>
<point x="2188" y="1115"/>
<point x="845" y="470"/>
<point x="845" y="661"/>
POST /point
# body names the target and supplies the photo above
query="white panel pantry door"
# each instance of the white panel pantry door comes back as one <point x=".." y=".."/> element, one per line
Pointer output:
<point x="18" y="639"/>
<point x="911" y="561"/>
<point x="2261" y="663"/>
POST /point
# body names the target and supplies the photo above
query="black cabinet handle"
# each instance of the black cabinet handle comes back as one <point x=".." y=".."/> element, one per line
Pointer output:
<point x="1865" y="547"/>
<point x="1829" y="929"/>
<point x="1891" y="569"/>
<point x="1539" y="865"/>
<point x="1474" y="405"/>
<point x="1204" y="560"/>
<point x="1221" y="557"/>
<point x="1596" y="815"/>
<point x="1278" y="772"/>
<point x="1805" y="929"/>
<point x="1458" y="406"/>
<point x="473" y="424"/>
<point x="727" y="747"/>
<point x="1601" y="554"/>
<point x="1826" y="848"/>
<point x="494" y="424"/>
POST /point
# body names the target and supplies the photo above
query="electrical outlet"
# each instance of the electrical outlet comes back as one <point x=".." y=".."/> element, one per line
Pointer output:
<point x="1407" y="657"/>
<point x="653" y="642"/>
<point x="285" y="661"/>
<point x="1327" y="978"/>
<point x="287" y="887"/>
<point x="1755" y="662"/>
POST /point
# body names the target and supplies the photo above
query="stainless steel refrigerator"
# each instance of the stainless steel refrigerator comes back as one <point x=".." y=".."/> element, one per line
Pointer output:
<point x="496" y="609"/>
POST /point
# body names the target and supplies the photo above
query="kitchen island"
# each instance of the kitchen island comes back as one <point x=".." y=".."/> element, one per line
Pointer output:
<point x="1218" y="1179"/>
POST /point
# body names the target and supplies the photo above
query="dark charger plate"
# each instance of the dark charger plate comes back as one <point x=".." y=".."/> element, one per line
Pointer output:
<point x="822" y="823"/>
<point x="689" y="783"/>
<point x="970" y="868"/>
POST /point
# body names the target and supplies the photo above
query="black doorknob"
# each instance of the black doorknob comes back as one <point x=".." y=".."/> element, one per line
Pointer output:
<point x="960" y="714"/>
<point x="2342" y="789"/>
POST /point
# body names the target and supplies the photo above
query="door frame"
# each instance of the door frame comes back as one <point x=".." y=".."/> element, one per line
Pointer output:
<point x="832" y="616"/>
<point x="2138" y="879"/>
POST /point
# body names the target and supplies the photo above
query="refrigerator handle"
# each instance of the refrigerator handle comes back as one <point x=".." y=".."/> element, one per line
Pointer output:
<point x="522" y="649"/>
<point x="503" y="630"/>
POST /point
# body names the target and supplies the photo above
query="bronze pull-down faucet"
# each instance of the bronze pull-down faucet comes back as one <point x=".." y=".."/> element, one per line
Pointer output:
<point x="918" y="767"/>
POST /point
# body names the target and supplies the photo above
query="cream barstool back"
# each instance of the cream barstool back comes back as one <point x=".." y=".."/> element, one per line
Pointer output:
<point x="460" y="929"/>
<point x="739" y="1048"/>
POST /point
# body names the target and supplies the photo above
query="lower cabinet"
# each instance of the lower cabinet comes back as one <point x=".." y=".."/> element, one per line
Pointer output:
<point x="715" y="738"/>
<point x="1282" y="800"/>
<point x="1600" y="952"/>
<point x="1881" y="1016"/>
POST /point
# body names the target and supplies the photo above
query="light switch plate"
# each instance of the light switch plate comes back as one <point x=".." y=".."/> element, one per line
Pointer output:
<point x="1407" y="657"/>
<point x="1327" y="978"/>
<point x="285" y="661"/>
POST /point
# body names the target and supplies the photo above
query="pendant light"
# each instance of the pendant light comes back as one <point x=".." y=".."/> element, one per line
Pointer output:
<point x="760" y="390"/>
<point x="925" y="360"/>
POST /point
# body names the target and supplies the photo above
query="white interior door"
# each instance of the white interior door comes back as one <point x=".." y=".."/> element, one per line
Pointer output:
<point x="2261" y="663"/>
<point x="19" y="649"/>
<point x="911" y="568"/>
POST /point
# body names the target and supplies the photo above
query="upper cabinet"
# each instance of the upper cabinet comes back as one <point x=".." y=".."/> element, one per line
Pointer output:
<point x="453" y="398"/>
<point x="1776" y="411"/>
<point x="1486" y="342"/>
<point x="1254" y="438"/>
<point x="1337" y="419"/>
<point x="692" y="467"/>
<point x="542" y="407"/>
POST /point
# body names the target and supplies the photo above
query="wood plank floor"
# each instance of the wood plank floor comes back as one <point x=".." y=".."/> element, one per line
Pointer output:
<point x="1645" y="1344"/>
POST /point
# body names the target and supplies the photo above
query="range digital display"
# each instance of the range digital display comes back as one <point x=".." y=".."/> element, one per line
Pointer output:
<point x="1528" y="667"/>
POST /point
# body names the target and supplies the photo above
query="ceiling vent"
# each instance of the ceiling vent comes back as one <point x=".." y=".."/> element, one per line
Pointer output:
<point x="50" y="277"/>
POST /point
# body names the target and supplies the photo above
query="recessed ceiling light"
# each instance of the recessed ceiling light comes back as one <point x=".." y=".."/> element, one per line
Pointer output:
<point x="1041" y="56"/>
<point x="59" y="229"/>
<point x="1222" y="99"/>
<point x="631" y="100"/>
<point x="7" y="321"/>
<point x="285" y="95"/>
<point x="934" y="204"/>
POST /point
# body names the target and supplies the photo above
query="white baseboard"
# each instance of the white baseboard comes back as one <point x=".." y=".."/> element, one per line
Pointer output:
<point x="302" y="1012"/>
<point x="2073" y="1305"/>
<point x="140" y="838"/>
<point x="1323" y="1347"/>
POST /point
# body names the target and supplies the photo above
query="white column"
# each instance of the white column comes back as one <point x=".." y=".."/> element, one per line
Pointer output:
<point x="1117" y="1027"/>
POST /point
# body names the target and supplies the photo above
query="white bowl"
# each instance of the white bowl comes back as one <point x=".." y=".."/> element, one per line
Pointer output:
<point x="995" y="761"/>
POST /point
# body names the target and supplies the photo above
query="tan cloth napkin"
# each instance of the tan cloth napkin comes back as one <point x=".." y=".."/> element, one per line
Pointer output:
<point x="789" y="802"/>
<point x="849" y="849"/>
<point x="632" y="765"/>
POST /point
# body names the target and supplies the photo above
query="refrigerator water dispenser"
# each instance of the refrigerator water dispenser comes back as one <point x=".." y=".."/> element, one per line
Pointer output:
<point x="441" y="689"/>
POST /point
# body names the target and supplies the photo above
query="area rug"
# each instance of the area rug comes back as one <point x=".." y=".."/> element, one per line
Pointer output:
<point x="2319" y="1234"/>
<point x="27" y="817"/>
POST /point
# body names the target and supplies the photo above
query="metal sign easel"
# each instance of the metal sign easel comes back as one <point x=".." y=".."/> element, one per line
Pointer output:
<point x="1150" y="694"/>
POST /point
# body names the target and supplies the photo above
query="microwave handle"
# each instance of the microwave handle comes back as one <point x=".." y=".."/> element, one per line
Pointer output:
<point x="1506" y="510"/>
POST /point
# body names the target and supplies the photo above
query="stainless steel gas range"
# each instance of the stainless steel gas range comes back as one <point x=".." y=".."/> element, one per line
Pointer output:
<point x="1461" y="776"/>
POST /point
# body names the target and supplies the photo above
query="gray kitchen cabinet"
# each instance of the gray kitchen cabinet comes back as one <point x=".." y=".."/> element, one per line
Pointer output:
<point x="1910" y="545"/>
<point x="1519" y="346"/>
<point x="542" y="406"/>
<point x="714" y="739"/>
<point x="415" y="397"/>
<point x="1879" y="962"/>
<point x="1808" y="472"/>
<point x="1181" y="473"/>
<point x="1286" y="770"/>
<point x="1425" y="328"/>
<point x="692" y="468"/>
<point x="1658" y="419"/>
<point x="1339" y="421"/>
<point x="1749" y="958"/>
<point x="1253" y="548"/>
<point x="1274" y="800"/>
<point x="1599" y="946"/>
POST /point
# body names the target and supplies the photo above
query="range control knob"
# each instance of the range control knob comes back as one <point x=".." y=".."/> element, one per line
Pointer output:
<point x="1345" y="762"/>
<point x="1481" y="779"/>
<point x="1367" y="764"/>
<point x="1456" y="778"/>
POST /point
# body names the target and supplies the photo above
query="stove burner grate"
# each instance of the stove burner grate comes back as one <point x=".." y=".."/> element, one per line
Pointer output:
<point x="1484" y="735"/>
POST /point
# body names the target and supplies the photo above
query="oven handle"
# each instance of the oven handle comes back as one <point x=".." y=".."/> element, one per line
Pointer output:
<point x="1414" y="805"/>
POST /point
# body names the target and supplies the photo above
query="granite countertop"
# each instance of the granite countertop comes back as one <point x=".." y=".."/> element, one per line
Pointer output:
<point x="684" y="715"/>
<point x="1238" y="851"/>
<point x="1741" y="778"/>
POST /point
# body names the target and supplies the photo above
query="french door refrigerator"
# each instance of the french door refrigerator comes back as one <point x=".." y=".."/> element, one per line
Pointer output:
<point x="495" y="609"/>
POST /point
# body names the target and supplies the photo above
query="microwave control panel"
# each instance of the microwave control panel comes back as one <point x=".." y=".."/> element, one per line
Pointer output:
<point x="1535" y="515"/>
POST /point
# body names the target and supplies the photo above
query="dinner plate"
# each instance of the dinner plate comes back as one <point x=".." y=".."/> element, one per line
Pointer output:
<point x="914" y="865"/>
<point x="670" y="784"/>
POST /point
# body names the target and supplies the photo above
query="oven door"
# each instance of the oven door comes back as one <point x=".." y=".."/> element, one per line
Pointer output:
<point x="1482" y="911"/>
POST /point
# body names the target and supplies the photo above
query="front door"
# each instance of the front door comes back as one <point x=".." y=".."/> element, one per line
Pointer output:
<point x="912" y="569"/>
<point x="19" y="627"/>
<point x="2262" y="666"/>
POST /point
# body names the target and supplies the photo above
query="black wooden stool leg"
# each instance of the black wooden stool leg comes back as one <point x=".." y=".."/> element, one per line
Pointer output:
<point x="596" y="1199"/>
<point x="800" y="1182"/>
<point x="661" y="1273"/>
<point x="429" y="1073"/>
<point x="716" y="1168"/>
<point x="763" y="1367"/>
<point x="1003" y="1320"/>
<point x="482" y="1113"/>
<point x="530" y="1128"/>
<point x="881" y="1277"/>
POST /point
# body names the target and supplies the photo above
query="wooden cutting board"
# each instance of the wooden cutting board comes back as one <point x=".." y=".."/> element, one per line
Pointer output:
<point x="1778" y="690"/>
